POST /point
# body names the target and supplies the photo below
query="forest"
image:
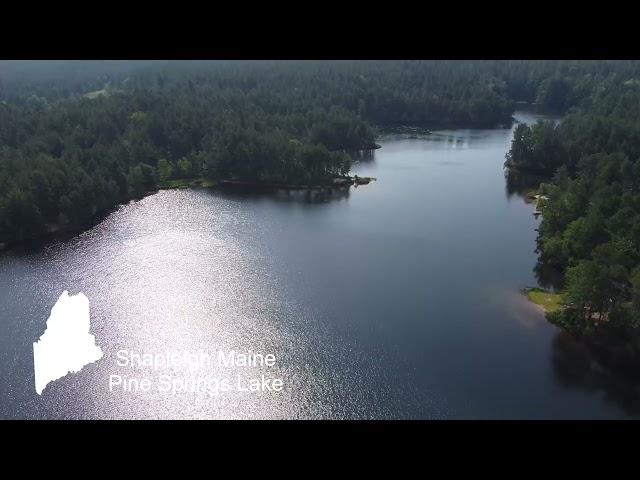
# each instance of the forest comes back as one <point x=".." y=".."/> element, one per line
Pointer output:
<point x="590" y="205"/>
<point x="79" y="138"/>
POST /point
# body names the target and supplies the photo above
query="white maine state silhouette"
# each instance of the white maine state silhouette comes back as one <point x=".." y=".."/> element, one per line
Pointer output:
<point x="66" y="345"/>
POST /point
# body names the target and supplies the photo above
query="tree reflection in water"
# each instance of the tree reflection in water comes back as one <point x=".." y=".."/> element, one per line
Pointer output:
<point x="548" y="276"/>
<point x="522" y="183"/>
<point x="313" y="195"/>
<point x="580" y="365"/>
<point x="363" y="155"/>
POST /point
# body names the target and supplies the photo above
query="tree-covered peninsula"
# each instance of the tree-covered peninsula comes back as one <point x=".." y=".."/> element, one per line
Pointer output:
<point x="78" y="138"/>
<point x="590" y="206"/>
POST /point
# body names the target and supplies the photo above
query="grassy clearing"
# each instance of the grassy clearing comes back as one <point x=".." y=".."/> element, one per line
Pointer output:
<point x="99" y="93"/>
<point x="550" y="302"/>
<point x="96" y="94"/>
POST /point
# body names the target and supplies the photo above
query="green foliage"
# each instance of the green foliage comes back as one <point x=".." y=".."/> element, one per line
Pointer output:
<point x="141" y="179"/>
<point x="590" y="224"/>
<point x="537" y="148"/>
<point x="65" y="158"/>
<point x="555" y="95"/>
<point x="165" y="170"/>
<point x="591" y="290"/>
<point x="185" y="168"/>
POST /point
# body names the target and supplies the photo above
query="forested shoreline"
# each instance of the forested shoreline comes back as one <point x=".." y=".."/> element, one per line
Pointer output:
<point x="80" y="138"/>
<point x="590" y="207"/>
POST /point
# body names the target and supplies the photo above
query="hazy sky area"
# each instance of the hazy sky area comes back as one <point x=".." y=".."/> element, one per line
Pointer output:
<point x="19" y="77"/>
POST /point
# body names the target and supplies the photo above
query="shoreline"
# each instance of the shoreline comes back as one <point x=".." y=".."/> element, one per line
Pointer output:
<point x="54" y="231"/>
<point x="58" y="232"/>
<point x="339" y="182"/>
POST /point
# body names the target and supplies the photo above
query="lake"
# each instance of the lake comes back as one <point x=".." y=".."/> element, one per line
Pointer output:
<point x="398" y="299"/>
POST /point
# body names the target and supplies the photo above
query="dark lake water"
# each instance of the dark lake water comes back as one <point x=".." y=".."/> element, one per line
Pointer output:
<point x="399" y="299"/>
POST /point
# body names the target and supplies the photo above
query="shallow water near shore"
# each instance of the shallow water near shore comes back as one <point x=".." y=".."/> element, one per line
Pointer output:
<point x="397" y="299"/>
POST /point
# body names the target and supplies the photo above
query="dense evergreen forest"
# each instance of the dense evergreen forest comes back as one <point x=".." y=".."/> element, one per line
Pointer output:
<point x="590" y="228"/>
<point x="78" y="138"/>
